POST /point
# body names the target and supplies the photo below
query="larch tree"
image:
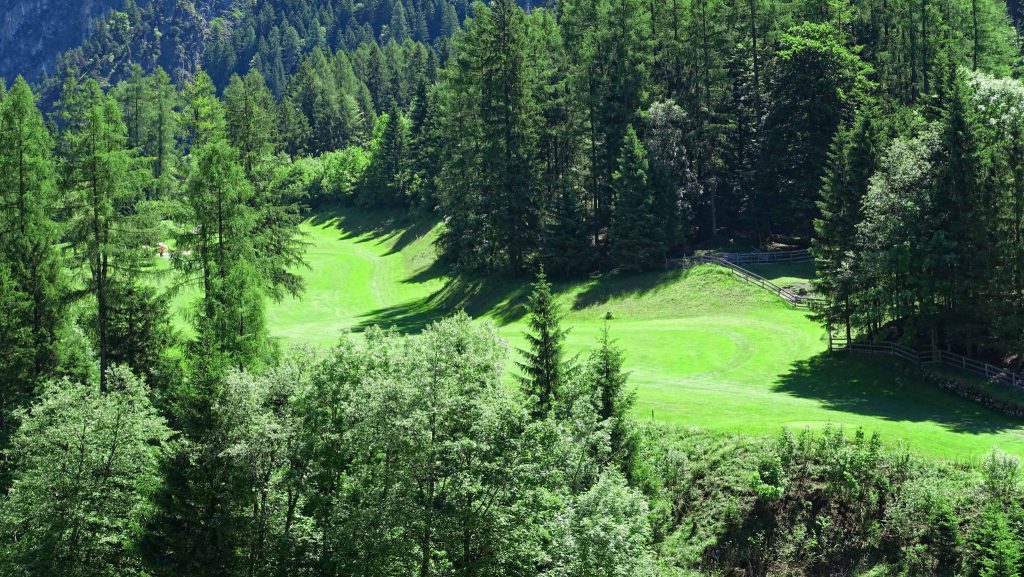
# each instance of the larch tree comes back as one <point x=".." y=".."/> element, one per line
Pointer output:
<point x="112" y="223"/>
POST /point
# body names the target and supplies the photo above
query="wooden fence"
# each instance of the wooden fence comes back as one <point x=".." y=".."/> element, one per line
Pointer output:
<point x="731" y="261"/>
<point x="762" y="257"/>
<point x="946" y="358"/>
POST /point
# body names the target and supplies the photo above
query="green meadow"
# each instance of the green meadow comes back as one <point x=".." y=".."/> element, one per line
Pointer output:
<point x="702" y="348"/>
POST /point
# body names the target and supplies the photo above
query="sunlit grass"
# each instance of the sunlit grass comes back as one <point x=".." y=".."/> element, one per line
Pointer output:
<point x="702" y="348"/>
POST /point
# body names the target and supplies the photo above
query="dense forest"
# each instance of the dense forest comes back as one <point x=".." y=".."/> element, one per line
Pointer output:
<point x="588" y="135"/>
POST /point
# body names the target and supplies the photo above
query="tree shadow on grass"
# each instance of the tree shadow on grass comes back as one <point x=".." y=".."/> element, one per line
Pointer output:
<point x="886" y="388"/>
<point x="613" y="286"/>
<point x="502" y="298"/>
<point x="379" y="225"/>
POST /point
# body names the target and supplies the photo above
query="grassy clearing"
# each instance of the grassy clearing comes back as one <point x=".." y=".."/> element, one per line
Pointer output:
<point x="703" y="348"/>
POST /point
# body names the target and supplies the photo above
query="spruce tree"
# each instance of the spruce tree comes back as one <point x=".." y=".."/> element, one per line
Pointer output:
<point x="996" y="546"/>
<point x="636" y="236"/>
<point x="817" y="85"/>
<point x="388" y="173"/>
<point x="614" y="401"/>
<point x="852" y="161"/>
<point x="542" y="360"/>
<point x="35" y="289"/>
<point x="568" y="250"/>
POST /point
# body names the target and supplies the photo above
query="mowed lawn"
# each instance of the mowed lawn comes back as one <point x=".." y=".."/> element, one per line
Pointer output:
<point x="702" y="348"/>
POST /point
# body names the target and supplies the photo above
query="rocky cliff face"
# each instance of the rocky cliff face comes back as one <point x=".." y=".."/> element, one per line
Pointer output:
<point x="34" y="32"/>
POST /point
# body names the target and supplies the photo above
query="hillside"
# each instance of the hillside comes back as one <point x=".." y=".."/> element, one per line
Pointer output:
<point x="34" y="32"/>
<point x="701" y="348"/>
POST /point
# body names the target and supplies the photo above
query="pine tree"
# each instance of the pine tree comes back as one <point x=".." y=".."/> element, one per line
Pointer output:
<point x="567" y="247"/>
<point x="966" y="209"/>
<point x="636" y="236"/>
<point x="389" y="166"/>
<point x="162" y="144"/>
<point x="294" y="128"/>
<point x="623" y="65"/>
<point x="220" y="235"/>
<point x="543" y="362"/>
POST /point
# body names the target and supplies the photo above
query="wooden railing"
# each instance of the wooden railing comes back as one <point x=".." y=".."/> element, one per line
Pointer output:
<point x="761" y="257"/>
<point x="946" y="358"/>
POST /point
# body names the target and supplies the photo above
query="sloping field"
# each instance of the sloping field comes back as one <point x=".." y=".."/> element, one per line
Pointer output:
<point x="702" y="348"/>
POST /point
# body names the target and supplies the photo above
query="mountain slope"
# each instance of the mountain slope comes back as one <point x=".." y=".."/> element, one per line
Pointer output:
<point x="34" y="32"/>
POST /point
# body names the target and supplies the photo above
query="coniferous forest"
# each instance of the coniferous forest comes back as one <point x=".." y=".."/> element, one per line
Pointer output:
<point x="174" y="148"/>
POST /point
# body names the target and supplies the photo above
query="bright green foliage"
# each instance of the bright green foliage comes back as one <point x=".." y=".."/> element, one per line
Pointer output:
<point x="32" y="286"/>
<point x="218" y="250"/>
<point x="340" y="173"/>
<point x="423" y="461"/>
<point x="329" y="98"/>
<point x="293" y="128"/>
<point x="87" y="463"/>
<point x="615" y="402"/>
<point x="996" y="546"/>
<point x="202" y="114"/>
<point x="636" y="237"/>
<point x="542" y="363"/>
<point x="162" y="144"/>
<point x="605" y="533"/>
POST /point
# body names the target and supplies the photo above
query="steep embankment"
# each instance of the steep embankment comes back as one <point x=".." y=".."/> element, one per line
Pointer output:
<point x="701" y="347"/>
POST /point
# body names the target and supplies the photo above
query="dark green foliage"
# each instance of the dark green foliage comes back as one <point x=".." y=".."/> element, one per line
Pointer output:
<point x="139" y="331"/>
<point x="853" y="160"/>
<point x="32" y="285"/>
<point x="636" y="237"/>
<point x="489" y="178"/>
<point x="817" y="83"/>
<point x="389" y="173"/>
<point x="542" y="363"/>
<point x="252" y="122"/>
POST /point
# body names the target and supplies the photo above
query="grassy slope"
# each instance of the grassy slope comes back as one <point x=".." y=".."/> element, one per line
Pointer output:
<point x="703" y="349"/>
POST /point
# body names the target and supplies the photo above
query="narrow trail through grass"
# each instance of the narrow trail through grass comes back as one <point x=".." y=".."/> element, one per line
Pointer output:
<point x="702" y="348"/>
